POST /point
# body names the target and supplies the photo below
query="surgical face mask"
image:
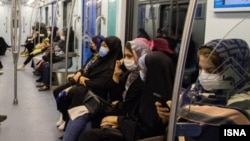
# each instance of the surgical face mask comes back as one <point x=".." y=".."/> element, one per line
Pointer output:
<point x="48" y="32"/>
<point x="212" y="82"/>
<point x="103" y="51"/>
<point x="142" y="75"/>
<point x="130" y="64"/>
<point x="62" y="38"/>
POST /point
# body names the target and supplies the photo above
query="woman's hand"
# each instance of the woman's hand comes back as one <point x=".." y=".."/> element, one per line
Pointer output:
<point x="76" y="76"/>
<point x="110" y="121"/>
<point x="117" y="72"/>
<point x="163" y="112"/>
<point x="115" y="102"/>
<point x="82" y="80"/>
<point x="70" y="76"/>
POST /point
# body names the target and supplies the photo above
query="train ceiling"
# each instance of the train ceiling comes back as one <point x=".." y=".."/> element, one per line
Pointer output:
<point x="9" y="1"/>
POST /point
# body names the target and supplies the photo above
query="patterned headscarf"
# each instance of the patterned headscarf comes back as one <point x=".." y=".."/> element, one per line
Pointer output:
<point x="235" y="67"/>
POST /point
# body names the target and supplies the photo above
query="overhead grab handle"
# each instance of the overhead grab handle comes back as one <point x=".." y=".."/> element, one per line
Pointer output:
<point x="96" y="23"/>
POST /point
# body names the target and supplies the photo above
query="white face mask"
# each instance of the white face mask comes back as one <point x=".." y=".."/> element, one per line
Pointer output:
<point x="130" y="64"/>
<point x="48" y="32"/>
<point x="214" y="81"/>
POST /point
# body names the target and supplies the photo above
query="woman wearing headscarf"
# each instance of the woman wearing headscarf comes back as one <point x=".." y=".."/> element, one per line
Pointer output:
<point x="221" y="94"/>
<point x="124" y="86"/>
<point x="139" y="120"/>
<point x="58" y="59"/>
<point x="95" y="45"/>
<point x="92" y="77"/>
<point x="162" y="45"/>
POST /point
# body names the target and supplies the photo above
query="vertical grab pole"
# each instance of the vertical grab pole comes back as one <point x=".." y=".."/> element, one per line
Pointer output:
<point x="15" y="28"/>
<point x="33" y="8"/>
<point x="152" y="10"/>
<point x="76" y="46"/>
<point x="67" y="41"/>
<point x="51" y="44"/>
<point x="170" y="18"/>
<point x="180" y="67"/>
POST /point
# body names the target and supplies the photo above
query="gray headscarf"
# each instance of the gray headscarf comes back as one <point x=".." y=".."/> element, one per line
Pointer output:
<point x="139" y="49"/>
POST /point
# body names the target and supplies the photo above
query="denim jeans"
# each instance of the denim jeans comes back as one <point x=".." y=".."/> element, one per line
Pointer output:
<point x="76" y="127"/>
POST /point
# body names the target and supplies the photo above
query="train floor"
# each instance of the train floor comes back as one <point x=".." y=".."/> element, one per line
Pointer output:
<point x="35" y="115"/>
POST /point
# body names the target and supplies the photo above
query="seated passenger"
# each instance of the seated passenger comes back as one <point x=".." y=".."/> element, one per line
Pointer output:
<point x="29" y="43"/>
<point x="116" y="91"/>
<point x="138" y="118"/>
<point x="58" y="60"/>
<point x="162" y="45"/>
<point x="93" y="76"/>
<point x="55" y="38"/>
<point x="223" y="84"/>
<point x="94" y="48"/>
<point x="39" y="48"/>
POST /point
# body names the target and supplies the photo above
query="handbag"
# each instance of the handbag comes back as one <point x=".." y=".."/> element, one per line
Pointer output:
<point x="96" y="105"/>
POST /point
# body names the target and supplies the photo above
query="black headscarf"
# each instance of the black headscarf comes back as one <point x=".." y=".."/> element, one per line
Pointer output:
<point x="105" y="64"/>
<point x="99" y="73"/>
<point x="159" y="79"/>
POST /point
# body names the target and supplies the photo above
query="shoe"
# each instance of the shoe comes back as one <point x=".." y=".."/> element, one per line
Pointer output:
<point x="61" y="127"/>
<point x="44" y="88"/>
<point x="1" y="72"/>
<point x="24" y="54"/>
<point x="39" y="80"/>
<point x="21" y="67"/>
<point x="61" y="137"/>
<point x="40" y="85"/>
<point x="60" y="121"/>
<point x="3" y="118"/>
<point x="36" y="73"/>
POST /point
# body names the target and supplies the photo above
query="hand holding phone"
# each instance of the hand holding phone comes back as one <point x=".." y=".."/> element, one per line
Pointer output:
<point x="123" y="68"/>
<point x="161" y="100"/>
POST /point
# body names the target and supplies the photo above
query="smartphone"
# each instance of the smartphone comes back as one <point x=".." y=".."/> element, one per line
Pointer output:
<point x="161" y="100"/>
<point x="123" y="68"/>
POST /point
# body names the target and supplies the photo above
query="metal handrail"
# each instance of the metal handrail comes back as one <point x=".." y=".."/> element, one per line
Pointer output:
<point x="96" y="23"/>
<point x="67" y="40"/>
<point x="51" y="44"/>
<point x="76" y="46"/>
<point x="180" y="68"/>
<point x="15" y="33"/>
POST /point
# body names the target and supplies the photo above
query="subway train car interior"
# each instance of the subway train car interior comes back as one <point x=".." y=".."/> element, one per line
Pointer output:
<point x="124" y="70"/>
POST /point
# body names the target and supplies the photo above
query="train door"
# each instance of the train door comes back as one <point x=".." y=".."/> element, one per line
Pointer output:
<point x="5" y="23"/>
<point x="176" y="23"/>
<point x="66" y="11"/>
<point x="26" y="21"/>
<point x="88" y="22"/>
<point x="112" y="10"/>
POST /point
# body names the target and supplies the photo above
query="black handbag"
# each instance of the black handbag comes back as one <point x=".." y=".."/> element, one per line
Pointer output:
<point x="96" y="105"/>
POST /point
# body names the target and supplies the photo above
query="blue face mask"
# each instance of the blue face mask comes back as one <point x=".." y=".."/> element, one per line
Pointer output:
<point x="103" y="51"/>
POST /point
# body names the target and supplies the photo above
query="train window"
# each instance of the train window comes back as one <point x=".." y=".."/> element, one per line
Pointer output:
<point x="141" y="15"/>
<point x="179" y="16"/>
<point x="46" y="15"/>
